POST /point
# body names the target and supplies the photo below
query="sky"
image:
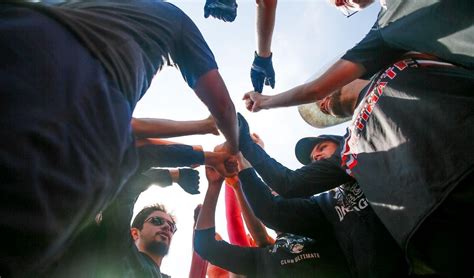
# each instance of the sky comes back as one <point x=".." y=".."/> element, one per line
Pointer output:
<point x="308" y="36"/>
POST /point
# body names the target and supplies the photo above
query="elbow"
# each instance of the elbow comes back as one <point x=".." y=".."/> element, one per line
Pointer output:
<point x="264" y="214"/>
<point x="201" y="247"/>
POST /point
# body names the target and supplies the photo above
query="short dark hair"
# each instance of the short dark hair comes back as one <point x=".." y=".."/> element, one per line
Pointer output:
<point x="145" y="212"/>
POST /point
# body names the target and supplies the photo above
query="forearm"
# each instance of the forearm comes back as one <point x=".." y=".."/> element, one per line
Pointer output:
<point x="163" y="128"/>
<point x="266" y="10"/>
<point x="274" y="173"/>
<point x="206" y="217"/>
<point x="198" y="267"/>
<point x="211" y="89"/>
<point x="168" y="156"/>
<point x="163" y="177"/>
<point x="341" y="73"/>
<point x="235" y="224"/>
<point x="257" y="195"/>
<point x="240" y="260"/>
<point x="296" y="215"/>
<point x="254" y="225"/>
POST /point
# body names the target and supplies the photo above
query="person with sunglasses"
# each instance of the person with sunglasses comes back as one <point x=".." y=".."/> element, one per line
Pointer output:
<point x="108" y="247"/>
<point x="152" y="231"/>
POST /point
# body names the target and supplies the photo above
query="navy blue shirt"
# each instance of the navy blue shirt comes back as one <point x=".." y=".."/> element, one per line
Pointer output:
<point x="341" y="217"/>
<point x="134" y="39"/>
<point x="290" y="256"/>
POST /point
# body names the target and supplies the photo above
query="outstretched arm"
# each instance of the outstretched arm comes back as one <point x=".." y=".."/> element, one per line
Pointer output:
<point x="183" y="155"/>
<point x="236" y="259"/>
<point x="210" y="88"/>
<point x="254" y="225"/>
<point x="266" y="10"/>
<point x="341" y="73"/>
<point x="163" y="128"/>
<point x="296" y="215"/>
<point x="262" y="71"/>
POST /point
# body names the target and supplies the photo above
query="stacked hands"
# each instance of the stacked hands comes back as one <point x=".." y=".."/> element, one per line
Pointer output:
<point x="225" y="10"/>
<point x="222" y="161"/>
<point x="219" y="162"/>
<point x="232" y="163"/>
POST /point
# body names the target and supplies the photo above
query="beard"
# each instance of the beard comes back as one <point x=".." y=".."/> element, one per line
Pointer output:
<point x="157" y="248"/>
<point x="338" y="106"/>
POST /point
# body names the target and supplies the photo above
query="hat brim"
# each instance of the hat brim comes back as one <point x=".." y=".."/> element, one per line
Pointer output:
<point x="312" y="115"/>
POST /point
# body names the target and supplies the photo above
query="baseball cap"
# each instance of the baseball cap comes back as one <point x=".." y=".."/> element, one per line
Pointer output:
<point x="305" y="146"/>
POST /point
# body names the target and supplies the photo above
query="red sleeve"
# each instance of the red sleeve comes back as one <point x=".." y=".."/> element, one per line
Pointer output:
<point x="235" y="224"/>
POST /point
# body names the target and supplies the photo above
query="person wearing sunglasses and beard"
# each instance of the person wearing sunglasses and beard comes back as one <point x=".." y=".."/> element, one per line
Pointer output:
<point x="152" y="231"/>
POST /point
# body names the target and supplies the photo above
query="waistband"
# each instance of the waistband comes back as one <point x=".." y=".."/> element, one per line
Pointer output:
<point x="426" y="60"/>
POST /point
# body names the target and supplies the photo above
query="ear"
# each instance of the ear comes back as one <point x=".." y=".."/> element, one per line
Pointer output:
<point x="135" y="233"/>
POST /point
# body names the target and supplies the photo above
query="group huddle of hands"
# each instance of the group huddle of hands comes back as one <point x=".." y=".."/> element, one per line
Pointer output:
<point x="220" y="163"/>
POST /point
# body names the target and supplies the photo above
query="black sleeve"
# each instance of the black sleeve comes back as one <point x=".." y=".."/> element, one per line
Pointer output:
<point x="117" y="216"/>
<point x="297" y="216"/>
<point x="236" y="259"/>
<point x="373" y="53"/>
<point x="160" y="176"/>
<point x="168" y="156"/>
<point x="314" y="178"/>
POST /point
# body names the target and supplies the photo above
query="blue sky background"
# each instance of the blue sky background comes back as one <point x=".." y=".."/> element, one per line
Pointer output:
<point x="308" y="35"/>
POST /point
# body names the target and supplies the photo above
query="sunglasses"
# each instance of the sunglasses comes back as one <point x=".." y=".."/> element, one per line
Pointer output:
<point x="159" y="221"/>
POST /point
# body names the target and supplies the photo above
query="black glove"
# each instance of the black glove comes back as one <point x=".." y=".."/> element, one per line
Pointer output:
<point x="225" y="10"/>
<point x="262" y="72"/>
<point x="244" y="133"/>
<point x="189" y="180"/>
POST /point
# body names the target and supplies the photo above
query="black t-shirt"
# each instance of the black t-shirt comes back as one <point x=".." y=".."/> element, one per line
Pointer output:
<point x="106" y="249"/>
<point x="411" y="141"/>
<point x="342" y="218"/>
<point x="134" y="39"/>
<point x="290" y="256"/>
<point x="438" y="27"/>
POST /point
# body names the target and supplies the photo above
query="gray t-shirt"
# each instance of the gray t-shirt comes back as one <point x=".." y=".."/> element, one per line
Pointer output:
<point x="443" y="28"/>
<point x="410" y="141"/>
